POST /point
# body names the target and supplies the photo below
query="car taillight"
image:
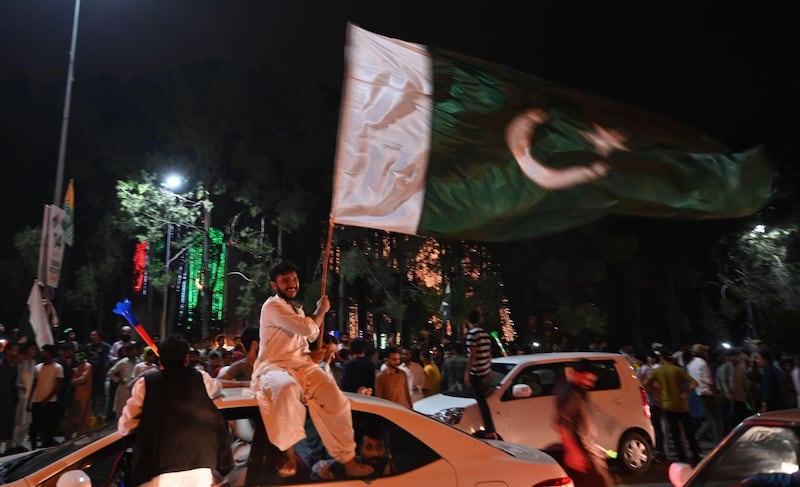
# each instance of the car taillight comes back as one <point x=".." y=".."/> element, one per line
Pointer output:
<point x="645" y="402"/>
<point x="559" y="482"/>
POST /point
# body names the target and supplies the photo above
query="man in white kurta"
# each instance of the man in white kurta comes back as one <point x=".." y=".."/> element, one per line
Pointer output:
<point x="286" y="379"/>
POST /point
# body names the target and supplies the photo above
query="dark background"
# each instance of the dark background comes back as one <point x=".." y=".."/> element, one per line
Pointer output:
<point x="725" y="70"/>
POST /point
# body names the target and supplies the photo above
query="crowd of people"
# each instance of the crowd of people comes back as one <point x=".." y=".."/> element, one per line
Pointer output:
<point x="62" y="390"/>
<point x="298" y="374"/>
<point x="698" y="394"/>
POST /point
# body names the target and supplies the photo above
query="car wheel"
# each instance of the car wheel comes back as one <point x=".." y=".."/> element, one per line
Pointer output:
<point x="635" y="453"/>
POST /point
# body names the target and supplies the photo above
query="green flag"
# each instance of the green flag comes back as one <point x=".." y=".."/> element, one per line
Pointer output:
<point x="436" y="143"/>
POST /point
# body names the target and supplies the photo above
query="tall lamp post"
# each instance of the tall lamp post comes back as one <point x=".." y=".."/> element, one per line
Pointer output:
<point x="170" y="183"/>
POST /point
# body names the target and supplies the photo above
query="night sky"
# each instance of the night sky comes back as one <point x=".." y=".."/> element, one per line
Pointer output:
<point x="724" y="71"/>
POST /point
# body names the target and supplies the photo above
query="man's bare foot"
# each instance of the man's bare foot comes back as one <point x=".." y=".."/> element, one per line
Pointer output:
<point x="355" y="469"/>
<point x="287" y="465"/>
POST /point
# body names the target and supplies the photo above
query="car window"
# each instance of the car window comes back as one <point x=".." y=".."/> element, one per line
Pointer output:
<point x="759" y="449"/>
<point x="254" y="460"/>
<point x="541" y="378"/>
<point x="497" y="375"/>
<point x="607" y="375"/>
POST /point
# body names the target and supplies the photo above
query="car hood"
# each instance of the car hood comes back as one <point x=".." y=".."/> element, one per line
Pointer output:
<point x="437" y="402"/>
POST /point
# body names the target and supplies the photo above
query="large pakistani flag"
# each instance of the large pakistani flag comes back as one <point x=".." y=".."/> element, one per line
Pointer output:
<point x="436" y="143"/>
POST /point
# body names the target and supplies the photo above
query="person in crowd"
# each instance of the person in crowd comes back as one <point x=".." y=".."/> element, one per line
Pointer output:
<point x="68" y="337"/>
<point x="433" y="378"/>
<point x="287" y="379"/>
<point x="97" y="355"/>
<point x="740" y="389"/>
<point x="66" y="357"/>
<point x="328" y="362"/>
<point x="773" y="391"/>
<point x="114" y="355"/>
<point x="344" y="342"/>
<point x="373" y="450"/>
<point x="43" y="402"/>
<point x="674" y="383"/>
<point x="8" y="393"/>
<point x="80" y="410"/>
<point x="410" y="364"/>
<point x="26" y="369"/>
<point x="194" y="359"/>
<point x="117" y="346"/>
<point x="214" y="363"/>
<point x="454" y="368"/>
<point x="583" y="459"/>
<point x="723" y="382"/>
<point x="479" y="365"/>
<point x="787" y="364"/>
<point x="700" y="370"/>
<point x="391" y="382"/>
<point x="149" y="362"/>
<point x="239" y="373"/>
<point x="227" y="358"/>
<point x="437" y="355"/>
<point x="220" y="341"/>
<point x="121" y="373"/>
<point x="649" y="365"/>
<point x="173" y="444"/>
<point x="358" y="374"/>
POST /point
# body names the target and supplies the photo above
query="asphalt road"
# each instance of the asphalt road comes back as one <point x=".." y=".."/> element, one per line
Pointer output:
<point x="656" y="476"/>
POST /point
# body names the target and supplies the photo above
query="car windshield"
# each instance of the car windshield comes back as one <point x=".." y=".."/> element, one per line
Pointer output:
<point x="23" y="466"/>
<point x="496" y="376"/>
<point x="757" y="449"/>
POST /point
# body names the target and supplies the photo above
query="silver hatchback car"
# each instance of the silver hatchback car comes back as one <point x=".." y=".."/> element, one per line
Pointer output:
<point x="521" y="398"/>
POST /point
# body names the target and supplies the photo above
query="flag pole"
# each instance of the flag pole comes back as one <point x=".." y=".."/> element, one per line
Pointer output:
<point x="325" y="255"/>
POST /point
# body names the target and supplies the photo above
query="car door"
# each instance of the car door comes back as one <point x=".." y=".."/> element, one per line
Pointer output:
<point x="528" y="420"/>
<point x="412" y="461"/>
<point x="614" y="407"/>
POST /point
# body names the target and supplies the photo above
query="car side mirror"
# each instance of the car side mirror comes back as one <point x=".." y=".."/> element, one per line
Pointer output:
<point x="74" y="478"/>
<point x="521" y="390"/>
<point x="679" y="473"/>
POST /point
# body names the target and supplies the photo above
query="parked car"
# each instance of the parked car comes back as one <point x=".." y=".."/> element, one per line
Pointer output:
<point x="766" y="443"/>
<point x="521" y="399"/>
<point x="422" y="451"/>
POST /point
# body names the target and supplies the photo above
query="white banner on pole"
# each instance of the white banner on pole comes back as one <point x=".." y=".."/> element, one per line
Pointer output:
<point x="38" y="316"/>
<point x="55" y="244"/>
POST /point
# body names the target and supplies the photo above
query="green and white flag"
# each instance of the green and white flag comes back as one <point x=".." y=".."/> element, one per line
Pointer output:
<point x="436" y="143"/>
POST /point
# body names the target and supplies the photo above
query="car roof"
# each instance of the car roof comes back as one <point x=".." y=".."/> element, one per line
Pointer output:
<point x="554" y="356"/>
<point x="235" y="397"/>
<point x="788" y="416"/>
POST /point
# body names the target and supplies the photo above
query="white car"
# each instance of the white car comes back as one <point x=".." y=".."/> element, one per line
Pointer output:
<point x="423" y="451"/>
<point x="521" y="398"/>
<point x="767" y="443"/>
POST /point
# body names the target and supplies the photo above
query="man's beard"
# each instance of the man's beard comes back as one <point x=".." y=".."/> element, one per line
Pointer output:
<point x="284" y="296"/>
<point x="377" y="463"/>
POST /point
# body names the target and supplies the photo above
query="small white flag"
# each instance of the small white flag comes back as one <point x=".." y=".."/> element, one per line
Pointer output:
<point x="38" y="316"/>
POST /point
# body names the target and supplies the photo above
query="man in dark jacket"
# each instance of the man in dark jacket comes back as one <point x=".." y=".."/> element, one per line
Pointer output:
<point x="359" y="371"/>
<point x="175" y="444"/>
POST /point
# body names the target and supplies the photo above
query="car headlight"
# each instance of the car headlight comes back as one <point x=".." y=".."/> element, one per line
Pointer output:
<point x="449" y="415"/>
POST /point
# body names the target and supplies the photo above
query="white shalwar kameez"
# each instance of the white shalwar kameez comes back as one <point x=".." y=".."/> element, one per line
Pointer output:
<point x="285" y="380"/>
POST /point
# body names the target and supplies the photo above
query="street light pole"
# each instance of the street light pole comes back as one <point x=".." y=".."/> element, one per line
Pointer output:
<point x="206" y="311"/>
<point x="166" y="286"/>
<point x="171" y="182"/>
<point x="62" y="146"/>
